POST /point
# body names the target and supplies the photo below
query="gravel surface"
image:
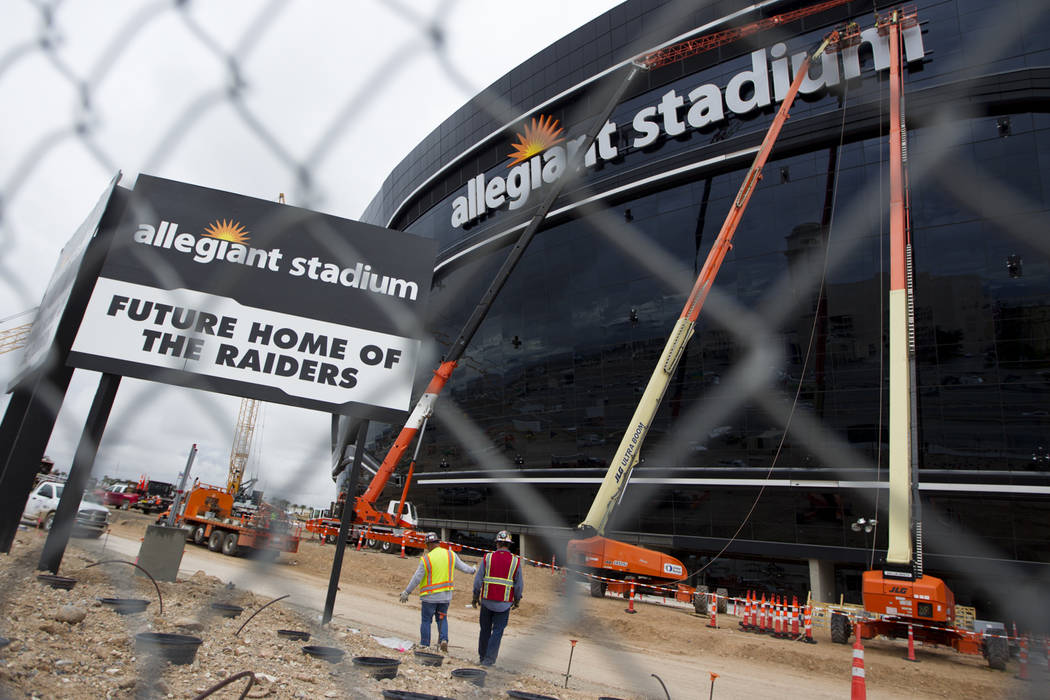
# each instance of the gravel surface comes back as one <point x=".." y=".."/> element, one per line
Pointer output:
<point x="94" y="653"/>
<point x="96" y="656"/>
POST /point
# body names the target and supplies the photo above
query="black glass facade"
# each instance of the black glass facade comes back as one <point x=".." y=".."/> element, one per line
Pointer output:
<point x="556" y="370"/>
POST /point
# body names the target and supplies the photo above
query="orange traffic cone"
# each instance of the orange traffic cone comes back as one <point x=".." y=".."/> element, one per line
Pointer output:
<point x="360" y="540"/>
<point x="712" y="607"/>
<point x="809" y="626"/>
<point x="778" y="625"/>
<point x="630" y="605"/>
<point x="562" y="583"/>
<point x="858" y="686"/>
<point x="794" y="617"/>
<point x="745" y="621"/>
<point x="402" y="546"/>
<point x="761" y="629"/>
<point x="1022" y="656"/>
<point x="911" y="646"/>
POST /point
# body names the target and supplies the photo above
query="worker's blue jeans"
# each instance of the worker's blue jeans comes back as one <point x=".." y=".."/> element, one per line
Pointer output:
<point x="491" y="634"/>
<point x="429" y="611"/>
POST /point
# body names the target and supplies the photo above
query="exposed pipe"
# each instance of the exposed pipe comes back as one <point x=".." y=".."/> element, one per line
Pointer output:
<point x="160" y="599"/>
<point x="225" y="682"/>
<point x="259" y="611"/>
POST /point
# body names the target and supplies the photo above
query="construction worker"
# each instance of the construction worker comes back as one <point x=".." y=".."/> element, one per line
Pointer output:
<point x="498" y="586"/>
<point x="434" y="578"/>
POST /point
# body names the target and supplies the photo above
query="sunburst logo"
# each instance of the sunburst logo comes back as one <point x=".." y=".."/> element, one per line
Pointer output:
<point x="227" y="231"/>
<point x="538" y="137"/>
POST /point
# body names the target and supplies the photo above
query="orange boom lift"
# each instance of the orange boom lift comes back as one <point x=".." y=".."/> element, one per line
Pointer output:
<point x="610" y="558"/>
<point x="900" y="596"/>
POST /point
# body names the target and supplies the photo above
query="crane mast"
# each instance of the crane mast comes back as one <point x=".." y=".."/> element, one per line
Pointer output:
<point x="14" y="338"/>
<point x="242" y="444"/>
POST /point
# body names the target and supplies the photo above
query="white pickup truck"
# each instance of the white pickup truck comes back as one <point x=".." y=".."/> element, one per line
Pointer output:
<point x="92" y="518"/>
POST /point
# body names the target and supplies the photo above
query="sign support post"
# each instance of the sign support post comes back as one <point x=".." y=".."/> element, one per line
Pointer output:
<point x="345" y="518"/>
<point x="83" y="461"/>
<point x="29" y="430"/>
<point x="39" y="391"/>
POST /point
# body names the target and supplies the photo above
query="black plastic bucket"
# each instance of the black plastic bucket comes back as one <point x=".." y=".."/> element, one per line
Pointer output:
<point x="330" y="654"/>
<point x="428" y="659"/>
<point x="525" y="695"/>
<point x="63" y="582"/>
<point x="409" y="695"/>
<point x="179" y="649"/>
<point x="296" y="635"/>
<point x="377" y="666"/>
<point x="227" y="610"/>
<point x="125" y="606"/>
<point x="474" y="675"/>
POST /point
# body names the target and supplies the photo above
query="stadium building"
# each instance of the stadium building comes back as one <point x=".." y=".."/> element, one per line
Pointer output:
<point x="794" y="334"/>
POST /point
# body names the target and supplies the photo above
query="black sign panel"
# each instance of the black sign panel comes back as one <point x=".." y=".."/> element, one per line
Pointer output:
<point x="45" y="325"/>
<point x="253" y="298"/>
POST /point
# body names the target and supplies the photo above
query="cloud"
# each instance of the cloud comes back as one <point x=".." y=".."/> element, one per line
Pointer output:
<point x="234" y="96"/>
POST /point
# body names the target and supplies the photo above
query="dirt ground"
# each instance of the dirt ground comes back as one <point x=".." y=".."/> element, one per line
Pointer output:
<point x="52" y="659"/>
<point x="93" y="653"/>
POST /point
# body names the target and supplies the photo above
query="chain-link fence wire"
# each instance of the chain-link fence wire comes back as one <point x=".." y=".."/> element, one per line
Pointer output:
<point x="755" y="329"/>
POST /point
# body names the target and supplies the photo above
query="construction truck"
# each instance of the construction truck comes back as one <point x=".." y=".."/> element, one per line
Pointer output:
<point x="384" y="538"/>
<point x="235" y="519"/>
<point x="899" y="598"/>
<point x="209" y="517"/>
<point x="617" y="566"/>
<point x="386" y="531"/>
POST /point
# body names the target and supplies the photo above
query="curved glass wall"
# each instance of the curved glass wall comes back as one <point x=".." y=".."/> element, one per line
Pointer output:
<point x="557" y="368"/>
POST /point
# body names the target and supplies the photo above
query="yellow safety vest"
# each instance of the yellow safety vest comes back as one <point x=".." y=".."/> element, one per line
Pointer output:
<point x="437" y="571"/>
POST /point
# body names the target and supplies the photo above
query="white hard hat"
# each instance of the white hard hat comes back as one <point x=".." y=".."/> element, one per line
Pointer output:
<point x="503" y="536"/>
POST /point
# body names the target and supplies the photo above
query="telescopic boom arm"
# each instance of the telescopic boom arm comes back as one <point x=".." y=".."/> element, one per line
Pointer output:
<point x="626" y="457"/>
<point x="902" y="453"/>
<point x="424" y="407"/>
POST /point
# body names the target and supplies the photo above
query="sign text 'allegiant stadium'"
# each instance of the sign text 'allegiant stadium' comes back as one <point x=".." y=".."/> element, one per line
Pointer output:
<point x="767" y="81"/>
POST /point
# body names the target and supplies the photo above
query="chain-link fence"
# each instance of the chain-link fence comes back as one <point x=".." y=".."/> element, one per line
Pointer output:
<point x="86" y="96"/>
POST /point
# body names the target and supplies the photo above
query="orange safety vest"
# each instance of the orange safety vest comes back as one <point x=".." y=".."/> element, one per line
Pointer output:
<point x="498" y="580"/>
<point x="438" y="568"/>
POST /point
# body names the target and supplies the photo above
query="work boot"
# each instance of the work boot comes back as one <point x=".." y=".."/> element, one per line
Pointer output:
<point x="444" y="646"/>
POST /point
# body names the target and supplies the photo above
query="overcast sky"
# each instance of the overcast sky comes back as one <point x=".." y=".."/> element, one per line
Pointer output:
<point x="346" y="88"/>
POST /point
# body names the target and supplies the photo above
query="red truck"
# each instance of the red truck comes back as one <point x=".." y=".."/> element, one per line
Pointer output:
<point x="121" y="496"/>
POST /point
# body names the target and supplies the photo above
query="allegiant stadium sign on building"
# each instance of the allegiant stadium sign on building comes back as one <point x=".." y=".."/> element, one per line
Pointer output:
<point x="766" y="82"/>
